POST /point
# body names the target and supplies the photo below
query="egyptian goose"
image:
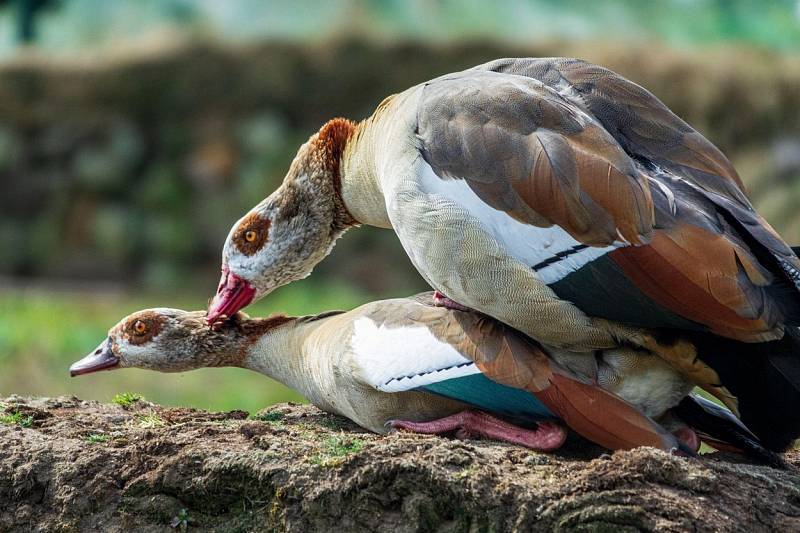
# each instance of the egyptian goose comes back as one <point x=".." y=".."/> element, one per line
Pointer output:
<point x="561" y="199"/>
<point x="425" y="368"/>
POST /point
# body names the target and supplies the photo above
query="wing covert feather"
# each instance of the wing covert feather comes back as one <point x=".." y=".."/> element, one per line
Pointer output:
<point x="640" y="122"/>
<point x="506" y="356"/>
<point x="525" y="150"/>
<point x="563" y="142"/>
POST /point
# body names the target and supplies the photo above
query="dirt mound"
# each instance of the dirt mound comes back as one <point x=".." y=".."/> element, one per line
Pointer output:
<point x="67" y="465"/>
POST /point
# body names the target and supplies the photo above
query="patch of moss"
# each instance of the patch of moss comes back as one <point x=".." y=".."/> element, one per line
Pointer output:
<point x="466" y="472"/>
<point x="126" y="399"/>
<point x="269" y="416"/>
<point x="336" y="423"/>
<point x="335" y="449"/>
<point x="181" y="521"/>
<point x="96" y="438"/>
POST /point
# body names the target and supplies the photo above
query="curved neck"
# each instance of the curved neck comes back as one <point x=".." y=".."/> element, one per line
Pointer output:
<point x="360" y="187"/>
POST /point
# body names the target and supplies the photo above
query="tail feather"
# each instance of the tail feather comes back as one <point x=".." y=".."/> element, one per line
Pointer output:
<point x="766" y="379"/>
<point x="717" y="425"/>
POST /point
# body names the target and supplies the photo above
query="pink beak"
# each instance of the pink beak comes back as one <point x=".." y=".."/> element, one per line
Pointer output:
<point x="233" y="294"/>
<point x="103" y="358"/>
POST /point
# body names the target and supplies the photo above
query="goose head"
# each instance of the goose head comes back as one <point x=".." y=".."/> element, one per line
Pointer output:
<point x="282" y="238"/>
<point x="166" y="340"/>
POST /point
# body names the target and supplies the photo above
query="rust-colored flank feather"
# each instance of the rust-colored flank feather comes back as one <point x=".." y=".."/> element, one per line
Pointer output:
<point x="703" y="277"/>
<point x="507" y="357"/>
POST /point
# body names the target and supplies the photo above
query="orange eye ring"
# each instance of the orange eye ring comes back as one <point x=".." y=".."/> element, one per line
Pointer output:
<point x="139" y="327"/>
<point x="250" y="236"/>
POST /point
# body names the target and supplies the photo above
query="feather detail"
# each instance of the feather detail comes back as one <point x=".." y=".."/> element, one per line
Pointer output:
<point x="602" y="417"/>
<point x="704" y="278"/>
<point x="639" y="121"/>
<point x="765" y="377"/>
<point x="682" y="355"/>
<point x="719" y="428"/>
<point x="558" y="142"/>
<point x="527" y="151"/>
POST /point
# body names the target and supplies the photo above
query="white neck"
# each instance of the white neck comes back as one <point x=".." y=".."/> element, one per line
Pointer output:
<point x="284" y="355"/>
<point x="361" y="190"/>
<point x="378" y="152"/>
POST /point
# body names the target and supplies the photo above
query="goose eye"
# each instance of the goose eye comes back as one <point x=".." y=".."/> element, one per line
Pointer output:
<point x="139" y="327"/>
<point x="251" y="234"/>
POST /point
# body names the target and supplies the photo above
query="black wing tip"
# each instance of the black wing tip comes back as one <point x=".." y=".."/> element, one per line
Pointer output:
<point x="721" y="426"/>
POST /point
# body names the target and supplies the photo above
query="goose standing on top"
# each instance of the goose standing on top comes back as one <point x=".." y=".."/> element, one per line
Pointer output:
<point x="425" y="368"/>
<point x="563" y="200"/>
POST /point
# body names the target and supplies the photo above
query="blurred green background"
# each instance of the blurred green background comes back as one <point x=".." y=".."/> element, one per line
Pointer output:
<point x="133" y="133"/>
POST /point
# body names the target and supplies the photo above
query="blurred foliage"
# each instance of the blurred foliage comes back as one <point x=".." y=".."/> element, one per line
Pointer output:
<point x="26" y="15"/>
<point x="132" y="169"/>
<point x="96" y="23"/>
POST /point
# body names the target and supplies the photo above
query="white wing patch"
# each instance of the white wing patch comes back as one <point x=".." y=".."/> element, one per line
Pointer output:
<point x="553" y="251"/>
<point x="404" y="358"/>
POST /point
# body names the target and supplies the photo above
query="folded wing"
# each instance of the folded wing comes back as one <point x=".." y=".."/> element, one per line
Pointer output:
<point x="568" y="145"/>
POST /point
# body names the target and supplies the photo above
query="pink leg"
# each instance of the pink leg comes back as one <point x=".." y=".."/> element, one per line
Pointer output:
<point x="547" y="437"/>
<point x="440" y="300"/>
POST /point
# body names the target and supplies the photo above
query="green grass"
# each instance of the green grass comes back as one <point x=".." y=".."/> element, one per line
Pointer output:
<point x="96" y="438"/>
<point x="126" y="399"/>
<point x="43" y="333"/>
<point x="336" y="448"/>
<point x="16" y="418"/>
<point x="181" y="520"/>
<point x="270" y="416"/>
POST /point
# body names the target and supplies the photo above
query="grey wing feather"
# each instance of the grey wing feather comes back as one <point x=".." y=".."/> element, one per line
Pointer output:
<point x="526" y="150"/>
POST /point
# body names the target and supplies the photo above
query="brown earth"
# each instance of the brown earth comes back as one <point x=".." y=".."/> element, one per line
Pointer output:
<point x="71" y="465"/>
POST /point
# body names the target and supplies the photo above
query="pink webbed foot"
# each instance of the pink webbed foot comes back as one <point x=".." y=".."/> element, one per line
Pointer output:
<point x="548" y="436"/>
<point x="440" y="300"/>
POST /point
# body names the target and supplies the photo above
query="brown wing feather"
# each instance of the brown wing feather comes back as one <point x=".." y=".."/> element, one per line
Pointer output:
<point x="527" y="151"/>
<point x="698" y="265"/>
<point x="602" y="417"/>
<point x="701" y="277"/>
<point x="553" y="141"/>
<point x="639" y="121"/>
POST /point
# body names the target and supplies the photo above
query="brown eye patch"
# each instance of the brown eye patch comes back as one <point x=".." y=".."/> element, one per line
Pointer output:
<point x="251" y="234"/>
<point x="143" y="327"/>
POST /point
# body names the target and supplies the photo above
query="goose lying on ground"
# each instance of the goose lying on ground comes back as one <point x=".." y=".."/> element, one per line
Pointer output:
<point x="564" y="200"/>
<point x="426" y="368"/>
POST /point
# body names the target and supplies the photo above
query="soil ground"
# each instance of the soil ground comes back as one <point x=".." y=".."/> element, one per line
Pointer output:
<point x="72" y="465"/>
